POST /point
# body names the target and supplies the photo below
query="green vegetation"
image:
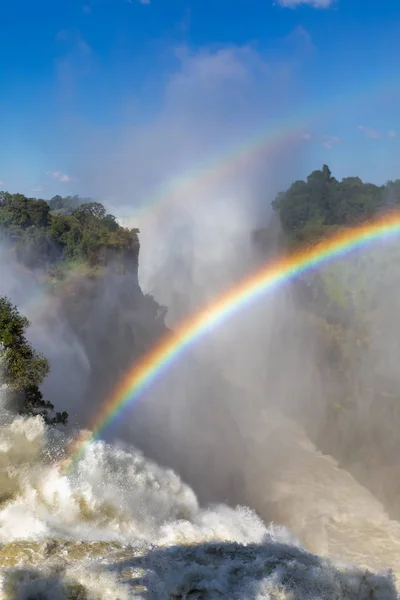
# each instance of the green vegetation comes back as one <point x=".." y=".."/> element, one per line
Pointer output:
<point x="311" y="209"/>
<point x="63" y="230"/>
<point x="22" y="369"/>
<point x="66" y="205"/>
<point x="345" y="291"/>
<point x="321" y="205"/>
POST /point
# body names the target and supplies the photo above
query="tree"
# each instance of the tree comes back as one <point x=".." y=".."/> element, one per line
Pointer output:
<point x="90" y="209"/>
<point x="44" y="234"/>
<point x="65" y="206"/>
<point x="308" y="209"/>
<point x="23" y="369"/>
<point x="22" y="212"/>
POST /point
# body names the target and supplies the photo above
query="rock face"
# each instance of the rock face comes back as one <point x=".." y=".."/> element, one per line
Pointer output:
<point x="114" y="323"/>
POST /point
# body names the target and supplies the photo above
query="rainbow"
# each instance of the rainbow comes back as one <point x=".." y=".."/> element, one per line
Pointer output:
<point x="147" y="369"/>
<point x="227" y="161"/>
<point x="270" y="137"/>
<point x="187" y="186"/>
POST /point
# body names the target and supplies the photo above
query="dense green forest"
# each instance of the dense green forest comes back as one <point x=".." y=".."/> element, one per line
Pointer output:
<point x="312" y="208"/>
<point x="318" y="206"/>
<point x="65" y="230"/>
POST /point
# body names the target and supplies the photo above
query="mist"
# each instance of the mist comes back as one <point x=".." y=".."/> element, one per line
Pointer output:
<point x="49" y="331"/>
<point x="195" y="234"/>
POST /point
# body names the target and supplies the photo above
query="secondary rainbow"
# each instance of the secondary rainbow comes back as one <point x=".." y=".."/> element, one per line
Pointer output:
<point x="270" y="137"/>
<point x="157" y="360"/>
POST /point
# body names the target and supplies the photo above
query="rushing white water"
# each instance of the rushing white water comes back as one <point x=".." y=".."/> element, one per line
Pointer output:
<point x="120" y="527"/>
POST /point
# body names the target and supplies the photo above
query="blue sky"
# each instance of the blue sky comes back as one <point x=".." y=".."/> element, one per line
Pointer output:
<point x="112" y="98"/>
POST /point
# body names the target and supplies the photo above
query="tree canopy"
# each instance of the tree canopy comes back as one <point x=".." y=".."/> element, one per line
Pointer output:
<point x="309" y="209"/>
<point x="65" y="205"/>
<point x="65" y="229"/>
<point x="23" y="369"/>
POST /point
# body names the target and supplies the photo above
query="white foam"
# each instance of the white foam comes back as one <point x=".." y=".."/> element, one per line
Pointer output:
<point x="170" y="545"/>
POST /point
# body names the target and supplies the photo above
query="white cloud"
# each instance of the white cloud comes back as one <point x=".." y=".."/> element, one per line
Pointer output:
<point x="1" y="182"/>
<point x="370" y="133"/>
<point x="60" y="176"/>
<point x="215" y="98"/>
<point x="328" y="141"/>
<point x="38" y="188"/>
<point x="375" y="134"/>
<point x="313" y="3"/>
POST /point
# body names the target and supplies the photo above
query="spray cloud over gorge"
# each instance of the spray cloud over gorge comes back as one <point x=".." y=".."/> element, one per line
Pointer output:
<point x="238" y="418"/>
<point x="195" y="222"/>
<point x="195" y="242"/>
<point x="272" y="359"/>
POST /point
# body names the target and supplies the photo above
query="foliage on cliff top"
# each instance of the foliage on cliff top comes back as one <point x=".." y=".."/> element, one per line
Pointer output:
<point x="49" y="233"/>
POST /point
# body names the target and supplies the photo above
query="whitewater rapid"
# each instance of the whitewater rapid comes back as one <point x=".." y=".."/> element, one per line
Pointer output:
<point x="120" y="527"/>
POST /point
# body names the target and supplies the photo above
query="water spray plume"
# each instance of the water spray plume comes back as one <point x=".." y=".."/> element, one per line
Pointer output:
<point x="153" y="364"/>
